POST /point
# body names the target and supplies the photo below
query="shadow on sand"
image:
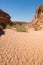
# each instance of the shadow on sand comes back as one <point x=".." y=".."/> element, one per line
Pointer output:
<point x="2" y="33"/>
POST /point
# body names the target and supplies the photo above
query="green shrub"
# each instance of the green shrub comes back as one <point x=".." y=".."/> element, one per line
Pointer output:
<point x="1" y="28"/>
<point x="14" y="26"/>
<point x="20" y="28"/>
<point x="8" y="27"/>
<point x="36" y="27"/>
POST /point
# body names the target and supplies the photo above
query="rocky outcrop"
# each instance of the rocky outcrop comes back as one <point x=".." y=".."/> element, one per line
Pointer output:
<point x="38" y="19"/>
<point x="4" y="17"/>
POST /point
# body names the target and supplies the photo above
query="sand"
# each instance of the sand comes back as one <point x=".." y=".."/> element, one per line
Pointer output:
<point x="21" y="48"/>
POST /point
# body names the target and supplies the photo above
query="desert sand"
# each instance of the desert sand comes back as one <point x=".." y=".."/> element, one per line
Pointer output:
<point x="21" y="48"/>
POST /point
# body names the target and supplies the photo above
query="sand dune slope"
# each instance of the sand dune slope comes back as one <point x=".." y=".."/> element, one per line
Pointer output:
<point x="19" y="48"/>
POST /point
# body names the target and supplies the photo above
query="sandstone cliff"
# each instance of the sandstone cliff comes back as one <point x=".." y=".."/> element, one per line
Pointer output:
<point x="38" y="19"/>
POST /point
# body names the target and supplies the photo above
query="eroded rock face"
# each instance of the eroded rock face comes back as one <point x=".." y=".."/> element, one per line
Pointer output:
<point x="39" y="11"/>
<point x="38" y="19"/>
<point x="4" y="17"/>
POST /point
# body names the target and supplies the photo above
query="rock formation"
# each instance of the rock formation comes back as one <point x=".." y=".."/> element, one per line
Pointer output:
<point x="4" y="17"/>
<point x="38" y="19"/>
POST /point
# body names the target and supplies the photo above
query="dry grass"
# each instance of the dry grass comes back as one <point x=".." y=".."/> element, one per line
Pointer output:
<point x="19" y="48"/>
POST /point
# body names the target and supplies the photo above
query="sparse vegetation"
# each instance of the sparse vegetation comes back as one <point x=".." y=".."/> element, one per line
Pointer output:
<point x="14" y="26"/>
<point x="8" y="27"/>
<point x="36" y="27"/>
<point x="1" y="28"/>
<point x="20" y="28"/>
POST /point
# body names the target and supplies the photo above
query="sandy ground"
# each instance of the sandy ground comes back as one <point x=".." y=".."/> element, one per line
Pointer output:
<point x="19" y="48"/>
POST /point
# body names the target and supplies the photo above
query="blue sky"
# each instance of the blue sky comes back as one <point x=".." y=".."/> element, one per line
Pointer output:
<point x="20" y="10"/>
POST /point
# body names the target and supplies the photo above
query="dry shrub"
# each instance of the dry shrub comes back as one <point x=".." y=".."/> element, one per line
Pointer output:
<point x="20" y="28"/>
<point x="36" y="27"/>
<point x="8" y="27"/>
<point x="1" y="28"/>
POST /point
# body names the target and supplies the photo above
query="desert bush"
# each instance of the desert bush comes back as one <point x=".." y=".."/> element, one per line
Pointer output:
<point x="8" y="27"/>
<point x="20" y="28"/>
<point x="36" y="27"/>
<point x="1" y="28"/>
<point x="14" y="26"/>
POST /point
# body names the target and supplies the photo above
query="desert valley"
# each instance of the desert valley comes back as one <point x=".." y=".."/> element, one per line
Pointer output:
<point x="21" y="43"/>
